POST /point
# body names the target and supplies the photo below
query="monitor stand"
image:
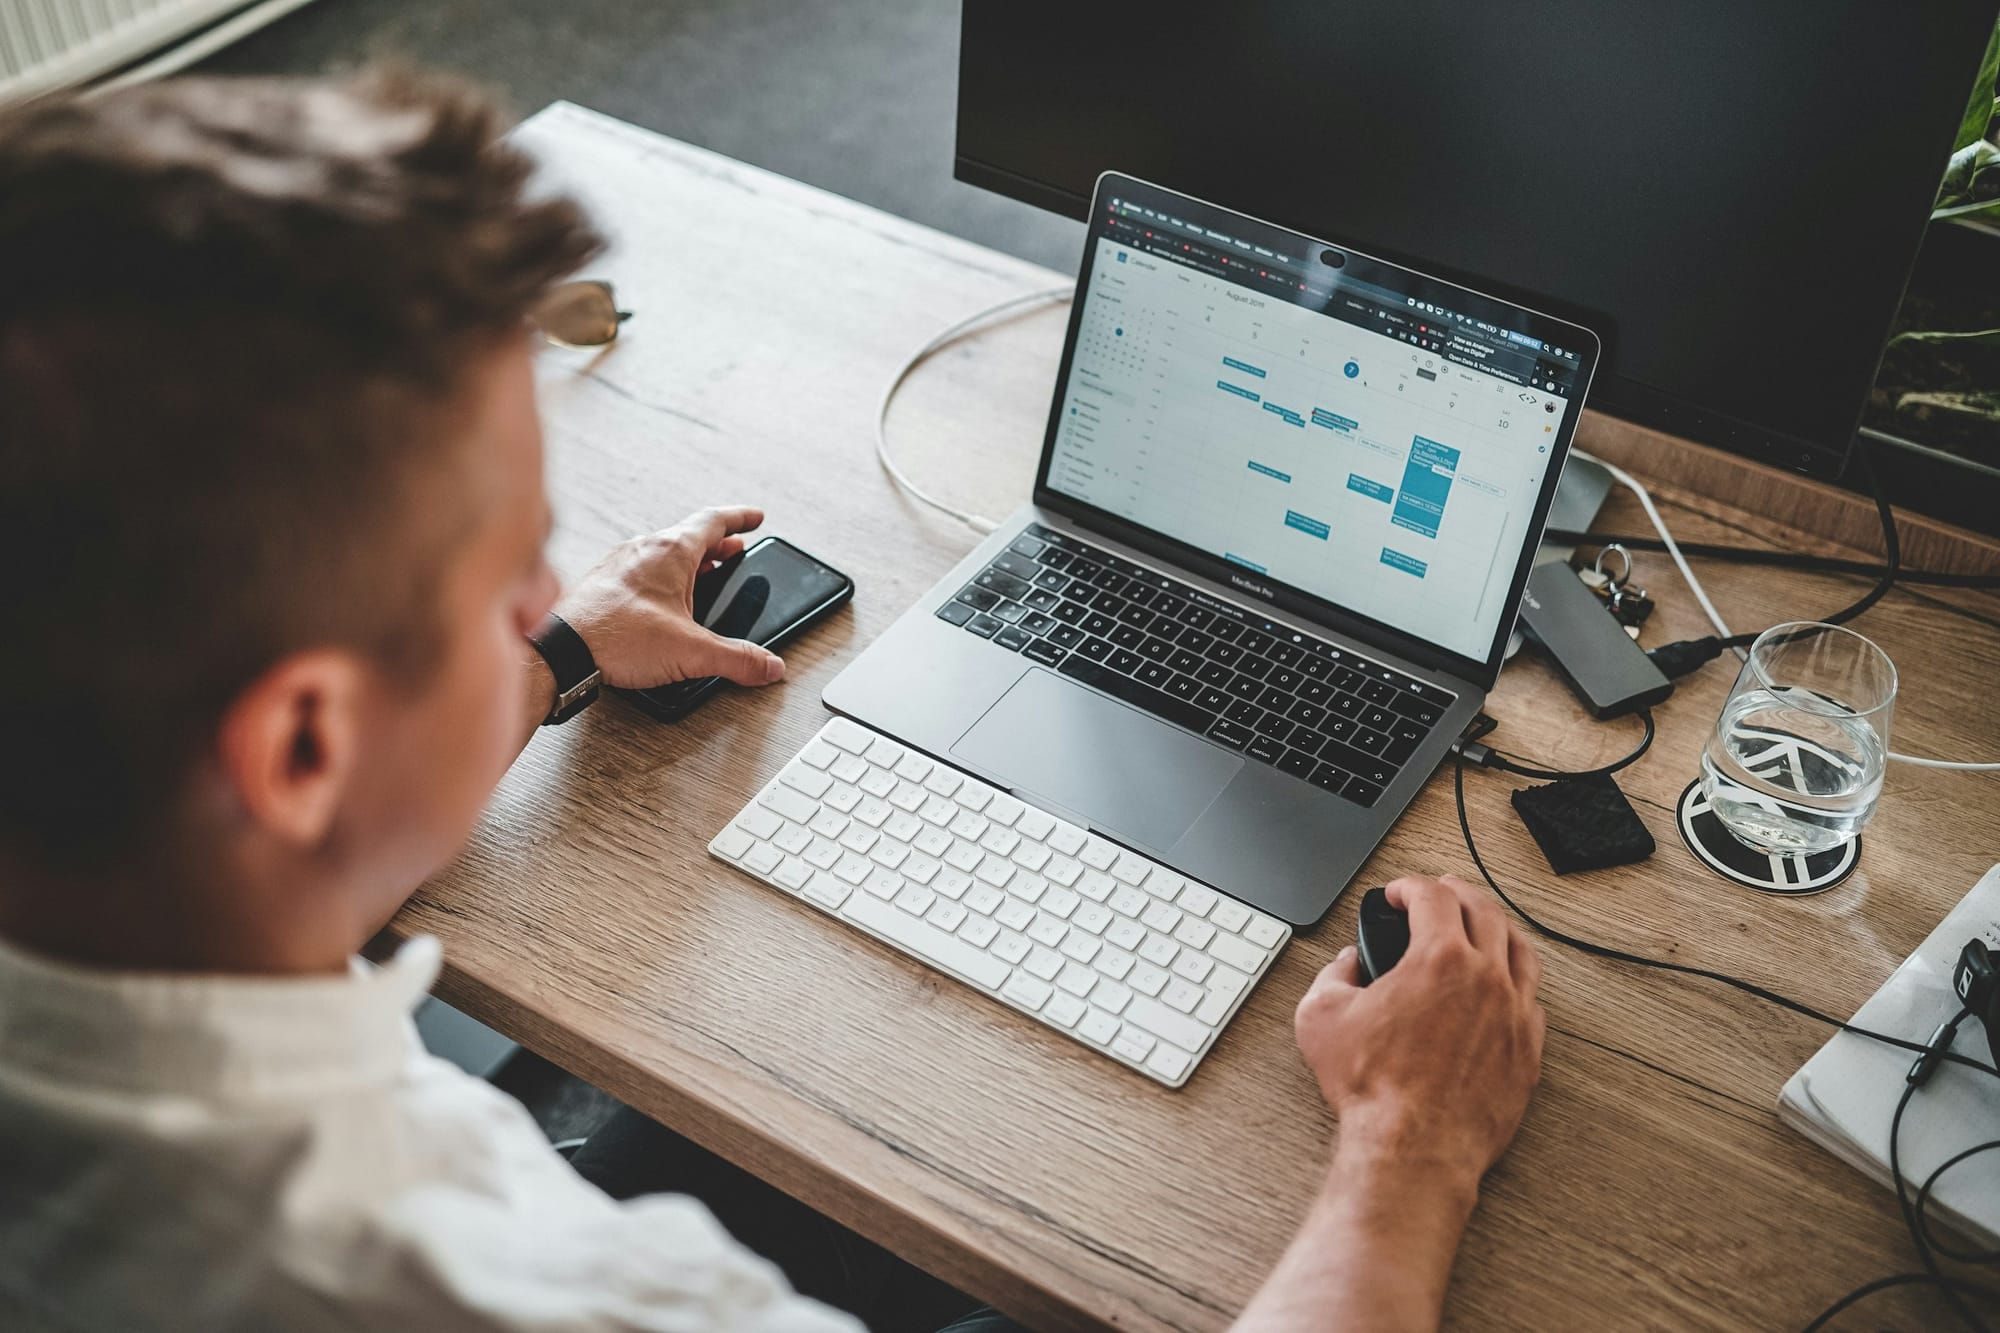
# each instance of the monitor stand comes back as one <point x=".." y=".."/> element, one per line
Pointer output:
<point x="1578" y="498"/>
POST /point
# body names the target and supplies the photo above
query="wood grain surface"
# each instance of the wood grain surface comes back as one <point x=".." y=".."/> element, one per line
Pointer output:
<point x="1652" y="1185"/>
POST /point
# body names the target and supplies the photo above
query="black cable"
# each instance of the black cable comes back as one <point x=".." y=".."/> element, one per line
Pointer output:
<point x="1866" y="1290"/>
<point x="1892" y="548"/>
<point x="1487" y="757"/>
<point x="1923" y="1218"/>
<point x="1913" y="1215"/>
<point x="1754" y="555"/>
<point x="1678" y="659"/>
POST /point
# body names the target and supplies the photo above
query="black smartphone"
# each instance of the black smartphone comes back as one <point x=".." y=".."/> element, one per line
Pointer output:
<point x="766" y="594"/>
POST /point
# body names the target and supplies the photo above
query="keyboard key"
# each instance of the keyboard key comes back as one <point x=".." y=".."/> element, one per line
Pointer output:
<point x="1097" y="1025"/>
<point x="1181" y="994"/>
<point x="1245" y="688"/>
<point x="1153" y="1017"/>
<point x="1028" y="992"/>
<point x="1168" y="1062"/>
<point x="1265" y="750"/>
<point x="1015" y="563"/>
<point x="1230" y="915"/>
<point x="955" y="612"/>
<point x="793" y="805"/>
<point x="1125" y="933"/>
<point x="1230" y="734"/>
<point x="1132" y="1043"/>
<point x="1236" y="951"/>
<point x="984" y="626"/>
<point x="1264" y="932"/>
<point x="1329" y="777"/>
<point x="1362" y="792"/>
<point x="1001" y="582"/>
<point x="1424" y="713"/>
<point x="1064" y="1009"/>
<point x="1043" y="962"/>
<point x="1014" y="638"/>
<point x="1077" y="979"/>
<point x="1298" y="763"/>
<point x="759" y="822"/>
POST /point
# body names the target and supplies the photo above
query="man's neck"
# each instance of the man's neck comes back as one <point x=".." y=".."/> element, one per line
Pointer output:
<point x="142" y="922"/>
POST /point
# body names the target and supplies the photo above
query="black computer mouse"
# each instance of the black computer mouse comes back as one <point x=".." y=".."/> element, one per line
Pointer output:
<point x="1384" y="935"/>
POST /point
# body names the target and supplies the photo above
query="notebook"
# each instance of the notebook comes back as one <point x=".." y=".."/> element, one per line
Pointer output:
<point x="1845" y="1095"/>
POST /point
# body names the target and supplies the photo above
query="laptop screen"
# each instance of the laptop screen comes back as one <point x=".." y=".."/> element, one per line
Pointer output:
<point x="1377" y="440"/>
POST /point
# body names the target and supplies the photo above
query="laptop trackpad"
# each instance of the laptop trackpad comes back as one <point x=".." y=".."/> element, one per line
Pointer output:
<point x="1128" y="772"/>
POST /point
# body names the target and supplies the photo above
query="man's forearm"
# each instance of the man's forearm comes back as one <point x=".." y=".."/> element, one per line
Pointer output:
<point x="1374" y="1252"/>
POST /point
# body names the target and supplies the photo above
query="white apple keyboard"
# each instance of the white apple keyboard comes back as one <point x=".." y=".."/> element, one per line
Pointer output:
<point x="1096" y="941"/>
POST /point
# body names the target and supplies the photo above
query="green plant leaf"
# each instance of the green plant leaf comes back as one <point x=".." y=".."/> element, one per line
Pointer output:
<point x="1978" y="210"/>
<point x="1967" y="162"/>
<point x="1979" y="107"/>
<point x="1975" y="337"/>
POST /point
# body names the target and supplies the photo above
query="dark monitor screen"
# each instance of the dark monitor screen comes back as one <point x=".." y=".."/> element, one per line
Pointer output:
<point x="1731" y="194"/>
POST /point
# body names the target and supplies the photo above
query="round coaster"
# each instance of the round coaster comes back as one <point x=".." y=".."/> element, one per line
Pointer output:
<point x="1715" y="847"/>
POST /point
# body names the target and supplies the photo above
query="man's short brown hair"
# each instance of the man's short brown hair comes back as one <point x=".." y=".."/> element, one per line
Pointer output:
<point x="234" y="318"/>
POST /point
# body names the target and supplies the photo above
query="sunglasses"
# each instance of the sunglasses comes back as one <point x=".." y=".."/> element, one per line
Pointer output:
<point x="579" y="314"/>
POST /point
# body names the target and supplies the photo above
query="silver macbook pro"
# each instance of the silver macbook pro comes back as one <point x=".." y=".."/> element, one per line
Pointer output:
<point x="1287" y="500"/>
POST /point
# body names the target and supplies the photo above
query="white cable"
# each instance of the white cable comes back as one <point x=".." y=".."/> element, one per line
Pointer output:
<point x="1632" y="483"/>
<point x="977" y="522"/>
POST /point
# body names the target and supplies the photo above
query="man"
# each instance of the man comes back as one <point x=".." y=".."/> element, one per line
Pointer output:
<point x="272" y="516"/>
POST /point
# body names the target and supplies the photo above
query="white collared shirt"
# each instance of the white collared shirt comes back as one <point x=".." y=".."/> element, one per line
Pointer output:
<point x="218" y="1153"/>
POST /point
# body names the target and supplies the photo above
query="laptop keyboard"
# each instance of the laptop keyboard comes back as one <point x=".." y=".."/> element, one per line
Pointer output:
<point x="1323" y="714"/>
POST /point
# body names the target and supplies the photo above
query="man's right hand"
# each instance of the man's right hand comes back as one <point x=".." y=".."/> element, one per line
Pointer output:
<point x="1429" y="1070"/>
<point x="1433" y="1063"/>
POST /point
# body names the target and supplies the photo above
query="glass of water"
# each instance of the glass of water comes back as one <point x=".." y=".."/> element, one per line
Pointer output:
<point x="1795" y="764"/>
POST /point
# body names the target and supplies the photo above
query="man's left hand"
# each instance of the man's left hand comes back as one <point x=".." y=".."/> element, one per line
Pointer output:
<point x="635" y="608"/>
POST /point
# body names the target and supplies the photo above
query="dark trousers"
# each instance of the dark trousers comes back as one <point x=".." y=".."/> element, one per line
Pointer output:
<point x="633" y="1155"/>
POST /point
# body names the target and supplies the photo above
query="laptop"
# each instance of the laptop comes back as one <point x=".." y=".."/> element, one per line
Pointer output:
<point x="1288" y="497"/>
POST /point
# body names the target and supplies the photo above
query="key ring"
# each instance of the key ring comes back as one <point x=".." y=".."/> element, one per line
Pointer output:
<point x="1611" y="584"/>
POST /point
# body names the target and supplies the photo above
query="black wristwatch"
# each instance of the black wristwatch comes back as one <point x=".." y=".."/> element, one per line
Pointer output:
<point x="575" y="670"/>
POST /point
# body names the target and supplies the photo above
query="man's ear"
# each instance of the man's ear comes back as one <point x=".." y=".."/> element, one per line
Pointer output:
<point x="287" y="745"/>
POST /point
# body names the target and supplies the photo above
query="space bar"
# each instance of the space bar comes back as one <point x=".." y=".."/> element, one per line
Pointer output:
<point x="926" y="941"/>
<point x="1157" y="702"/>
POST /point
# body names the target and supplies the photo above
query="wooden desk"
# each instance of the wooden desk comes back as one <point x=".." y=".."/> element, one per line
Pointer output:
<point x="1652" y="1185"/>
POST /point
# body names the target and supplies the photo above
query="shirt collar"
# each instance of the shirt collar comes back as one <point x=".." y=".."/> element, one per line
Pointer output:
<point x="227" y="1037"/>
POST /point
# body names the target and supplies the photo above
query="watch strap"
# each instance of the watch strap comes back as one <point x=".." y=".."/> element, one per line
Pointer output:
<point x="570" y="662"/>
